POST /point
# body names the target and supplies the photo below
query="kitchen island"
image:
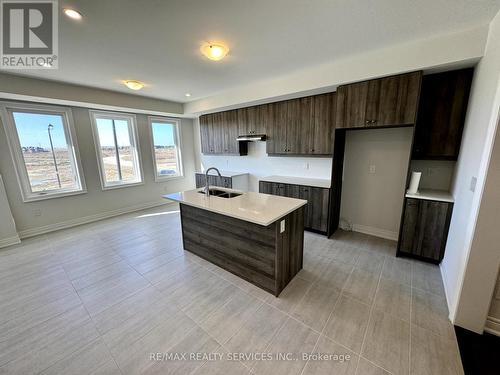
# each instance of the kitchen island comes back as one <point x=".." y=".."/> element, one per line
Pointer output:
<point x="258" y="237"/>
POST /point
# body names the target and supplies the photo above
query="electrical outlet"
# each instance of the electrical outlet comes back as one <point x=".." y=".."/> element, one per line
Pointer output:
<point x="373" y="169"/>
<point x="37" y="212"/>
<point x="282" y="226"/>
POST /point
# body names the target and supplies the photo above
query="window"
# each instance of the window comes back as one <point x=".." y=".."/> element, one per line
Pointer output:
<point x="166" y="147"/>
<point x="44" y="150"/>
<point x="118" y="153"/>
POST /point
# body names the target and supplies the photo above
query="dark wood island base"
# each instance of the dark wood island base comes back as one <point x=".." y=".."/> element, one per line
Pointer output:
<point x="266" y="256"/>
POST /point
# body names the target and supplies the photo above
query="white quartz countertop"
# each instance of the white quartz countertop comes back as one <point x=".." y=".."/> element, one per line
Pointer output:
<point x="225" y="173"/>
<point x="315" y="182"/>
<point x="431" y="195"/>
<point x="263" y="209"/>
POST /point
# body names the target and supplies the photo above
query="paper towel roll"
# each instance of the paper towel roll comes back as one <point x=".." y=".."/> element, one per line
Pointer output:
<point x="414" y="182"/>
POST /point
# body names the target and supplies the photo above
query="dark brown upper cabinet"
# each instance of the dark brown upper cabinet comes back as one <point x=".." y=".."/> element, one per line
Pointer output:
<point x="322" y="124"/>
<point x="441" y="115"/>
<point x="384" y="102"/>
<point x="298" y="125"/>
<point x="253" y="120"/>
<point x="302" y="126"/>
<point x="276" y="132"/>
<point x="218" y="133"/>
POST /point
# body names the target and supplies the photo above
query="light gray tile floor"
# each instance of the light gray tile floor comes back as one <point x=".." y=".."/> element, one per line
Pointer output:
<point x="106" y="297"/>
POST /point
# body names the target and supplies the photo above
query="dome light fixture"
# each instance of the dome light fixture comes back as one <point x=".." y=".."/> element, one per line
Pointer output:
<point x="134" y="85"/>
<point x="214" y="50"/>
<point x="71" y="13"/>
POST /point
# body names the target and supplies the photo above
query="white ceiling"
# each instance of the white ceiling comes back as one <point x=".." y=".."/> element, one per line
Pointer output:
<point x="158" y="41"/>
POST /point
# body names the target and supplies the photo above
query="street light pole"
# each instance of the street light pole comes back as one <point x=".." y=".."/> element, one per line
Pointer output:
<point x="49" y="128"/>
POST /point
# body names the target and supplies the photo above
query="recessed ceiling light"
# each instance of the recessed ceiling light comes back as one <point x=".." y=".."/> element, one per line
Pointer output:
<point x="187" y="94"/>
<point x="214" y="51"/>
<point x="134" y="85"/>
<point x="71" y="13"/>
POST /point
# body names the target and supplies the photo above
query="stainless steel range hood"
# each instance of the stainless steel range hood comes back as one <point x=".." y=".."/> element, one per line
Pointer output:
<point x="251" y="137"/>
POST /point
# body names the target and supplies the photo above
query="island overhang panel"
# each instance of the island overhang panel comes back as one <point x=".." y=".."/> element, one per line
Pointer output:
<point x="268" y="256"/>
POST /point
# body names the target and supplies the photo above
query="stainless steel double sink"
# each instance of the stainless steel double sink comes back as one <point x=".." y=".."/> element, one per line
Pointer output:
<point x="221" y="193"/>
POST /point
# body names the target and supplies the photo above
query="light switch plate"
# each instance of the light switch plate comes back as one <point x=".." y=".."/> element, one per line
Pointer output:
<point x="282" y="226"/>
<point x="473" y="182"/>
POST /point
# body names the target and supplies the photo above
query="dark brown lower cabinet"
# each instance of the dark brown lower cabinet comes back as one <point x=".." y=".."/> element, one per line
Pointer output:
<point x="424" y="229"/>
<point x="213" y="181"/>
<point x="316" y="210"/>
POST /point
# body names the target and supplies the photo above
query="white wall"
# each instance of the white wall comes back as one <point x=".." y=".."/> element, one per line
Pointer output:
<point x="70" y="210"/>
<point x="64" y="93"/>
<point x="372" y="202"/>
<point x="471" y="259"/>
<point x="258" y="164"/>
<point x="436" y="174"/>
<point x="443" y="50"/>
<point x="8" y="232"/>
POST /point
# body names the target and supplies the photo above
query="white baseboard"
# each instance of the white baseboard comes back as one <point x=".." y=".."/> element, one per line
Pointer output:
<point x="9" y="241"/>
<point x="87" y="219"/>
<point x="377" y="232"/>
<point x="492" y="326"/>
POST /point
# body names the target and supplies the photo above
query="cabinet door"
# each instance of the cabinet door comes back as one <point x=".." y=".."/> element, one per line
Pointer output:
<point x="241" y="115"/>
<point x="298" y="125"/>
<point x="217" y="136"/>
<point x="319" y="208"/>
<point x="398" y="101"/>
<point x="441" y="115"/>
<point x="230" y="132"/>
<point x="265" y="187"/>
<point x="390" y="101"/>
<point x="351" y="105"/>
<point x="214" y="180"/>
<point x="251" y="118"/>
<point x="205" y="134"/>
<point x="200" y="180"/>
<point x="276" y="132"/>
<point x="226" y="182"/>
<point x="407" y="242"/>
<point x="322" y="124"/>
<point x="278" y="189"/>
<point x="264" y="118"/>
<point x="425" y="228"/>
<point x="292" y="191"/>
<point x="305" y="193"/>
<point x="433" y="229"/>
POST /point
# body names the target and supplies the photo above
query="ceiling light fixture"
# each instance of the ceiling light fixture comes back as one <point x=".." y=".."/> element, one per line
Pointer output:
<point x="71" y="13"/>
<point x="134" y="85"/>
<point x="187" y="94"/>
<point x="214" y="51"/>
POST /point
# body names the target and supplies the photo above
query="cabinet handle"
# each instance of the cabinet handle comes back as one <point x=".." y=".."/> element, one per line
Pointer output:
<point x="367" y="122"/>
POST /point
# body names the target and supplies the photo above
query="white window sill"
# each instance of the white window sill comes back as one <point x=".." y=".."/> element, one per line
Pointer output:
<point x="119" y="186"/>
<point x="42" y="197"/>
<point x="165" y="179"/>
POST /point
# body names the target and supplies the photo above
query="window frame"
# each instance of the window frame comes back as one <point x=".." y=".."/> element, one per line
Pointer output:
<point x="178" y="143"/>
<point x="7" y="108"/>
<point x="132" y="126"/>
